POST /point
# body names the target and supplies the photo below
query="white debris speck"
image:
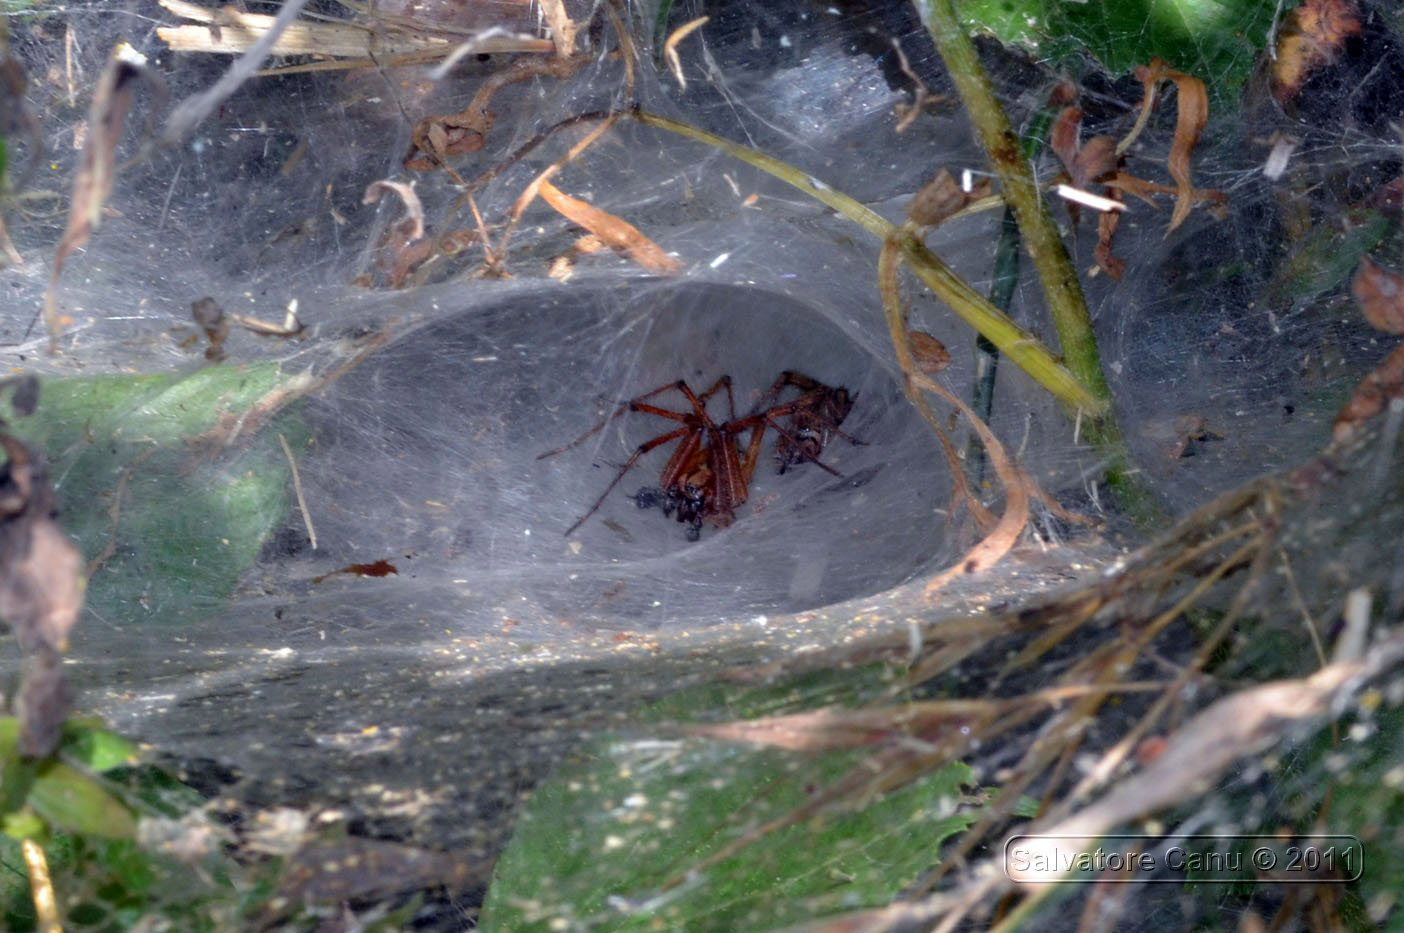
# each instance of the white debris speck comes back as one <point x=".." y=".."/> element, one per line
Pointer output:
<point x="717" y="263"/>
<point x="613" y="842"/>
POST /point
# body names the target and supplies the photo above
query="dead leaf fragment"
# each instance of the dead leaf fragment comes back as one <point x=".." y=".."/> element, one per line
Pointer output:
<point x="112" y="100"/>
<point x="930" y="354"/>
<point x="670" y="47"/>
<point x="619" y="235"/>
<point x="1191" y="116"/>
<point x="1382" y="385"/>
<point x="412" y="224"/>
<point x="832" y="729"/>
<point x="435" y="138"/>
<point x="1381" y="297"/>
<point x="942" y="197"/>
<point x="1086" y="162"/>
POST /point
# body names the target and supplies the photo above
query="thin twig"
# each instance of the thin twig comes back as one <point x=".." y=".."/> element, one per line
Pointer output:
<point x="297" y="490"/>
<point x="189" y="112"/>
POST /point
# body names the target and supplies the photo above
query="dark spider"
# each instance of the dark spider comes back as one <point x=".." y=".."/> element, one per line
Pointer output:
<point x="707" y="477"/>
<point x="814" y="418"/>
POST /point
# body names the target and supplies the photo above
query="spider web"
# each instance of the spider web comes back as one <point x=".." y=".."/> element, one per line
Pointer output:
<point x="424" y="452"/>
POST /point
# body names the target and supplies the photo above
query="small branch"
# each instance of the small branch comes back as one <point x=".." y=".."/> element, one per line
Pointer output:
<point x="297" y="490"/>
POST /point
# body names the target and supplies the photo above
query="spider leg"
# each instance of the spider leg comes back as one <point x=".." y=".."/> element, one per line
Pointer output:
<point x="724" y="382"/>
<point x="800" y="447"/>
<point x="769" y="418"/>
<point x="639" y="452"/>
<point x="634" y="404"/>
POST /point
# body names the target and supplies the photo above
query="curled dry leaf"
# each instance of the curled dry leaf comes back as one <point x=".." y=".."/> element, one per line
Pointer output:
<point x="1086" y="162"/>
<point x="619" y="235"/>
<point x="1381" y="297"/>
<point x="412" y="225"/>
<point x="112" y="100"/>
<point x="41" y="592"/>
<point x="1382" y="385"/>
<point x="1191" y="116"/>
<point x="930" y="354"/>
<point x="670" y="48"/>
<point x="434" y="139"/>
<point x="942" y="197"/>
<point x="402" y="245"/>
<point x="1311" y="37"/>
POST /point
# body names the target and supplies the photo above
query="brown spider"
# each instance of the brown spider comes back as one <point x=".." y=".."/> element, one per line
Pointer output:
<point x="707" y="477"/>
<point x="814" y="418"/>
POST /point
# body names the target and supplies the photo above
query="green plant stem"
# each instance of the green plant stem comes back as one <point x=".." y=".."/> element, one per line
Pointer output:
<point x="1066" y="306"/>
<point x="1006" y="276"/>
<point x="1022" y="347"/>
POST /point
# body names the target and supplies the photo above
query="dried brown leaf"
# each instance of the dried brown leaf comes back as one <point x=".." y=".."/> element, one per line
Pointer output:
<point x="412" y="224"/>
<point x="435" y="138"/>
<point x="942" y="197"/>
<point x="1233" y="729"/>
<point x="1095" y="160"/>
<point x="1381" y="297"/>
<point x="619" y="235"/>
<point x="1107" y="222"/>
<point x="1191" y="116"/>
<point x="1382" y="385"/>
<point x="1063" y="137"/>
<point x="112" y="100"/>
<point x="931" y="354"/>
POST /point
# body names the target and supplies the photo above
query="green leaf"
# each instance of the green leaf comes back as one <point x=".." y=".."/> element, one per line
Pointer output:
<point x="614" y="840"/>
<point x="95" y="748"/>
<point x="191" y="511"/>
<point x="72" y="801"/>
<point x="1217" y="41"/>
<point x="23" y="824"/>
